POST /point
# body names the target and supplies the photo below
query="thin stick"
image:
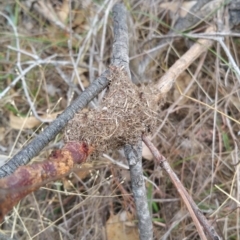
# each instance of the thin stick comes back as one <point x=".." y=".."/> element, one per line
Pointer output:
<point x="198" y="13"/>
<point x="133" y="153"/>
<point x="194" y="211"/>
<point x="41" y="140"/>
<point x="134" y="157"/>
<point x="167" y="80"/>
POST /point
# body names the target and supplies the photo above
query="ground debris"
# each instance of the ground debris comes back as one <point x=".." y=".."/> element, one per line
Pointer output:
<point x="124" y="114"/>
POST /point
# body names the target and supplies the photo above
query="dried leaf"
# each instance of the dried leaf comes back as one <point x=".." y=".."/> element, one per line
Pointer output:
<point x="146" y="153"/>
<point x="17" y="122"/>
<point x="121" y="227"/>
<point x="63" y="11"/>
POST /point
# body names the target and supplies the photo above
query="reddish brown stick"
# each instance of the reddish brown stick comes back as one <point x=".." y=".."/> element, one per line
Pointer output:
<point x="27" y="179"/>
<point x="194" y="211"/>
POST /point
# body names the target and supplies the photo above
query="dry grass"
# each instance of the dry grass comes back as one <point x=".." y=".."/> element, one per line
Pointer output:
<point x="198" y="125"/>
<point x="125" y="112"/>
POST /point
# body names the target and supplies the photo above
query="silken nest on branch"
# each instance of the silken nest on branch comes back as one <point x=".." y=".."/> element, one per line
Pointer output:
<point x="124" y="114"/>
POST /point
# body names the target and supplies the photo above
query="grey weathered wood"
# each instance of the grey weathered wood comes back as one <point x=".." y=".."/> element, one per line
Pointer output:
<point x="134" y="157"/>
<point x="41" y="140"/>
<point x="133" y="153"/>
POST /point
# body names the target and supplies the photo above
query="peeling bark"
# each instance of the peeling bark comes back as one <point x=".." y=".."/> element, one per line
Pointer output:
<point x="27" y="179"/>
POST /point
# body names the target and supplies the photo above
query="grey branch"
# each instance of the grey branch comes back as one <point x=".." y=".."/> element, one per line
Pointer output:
<point x="38" y="143"/>
<point x="134" y="156"/>
<point x="120" y="43"/>
<point x="133" y="153"/>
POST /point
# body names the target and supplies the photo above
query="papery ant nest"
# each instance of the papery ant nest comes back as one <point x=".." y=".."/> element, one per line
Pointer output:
<point x="124" y="114"/>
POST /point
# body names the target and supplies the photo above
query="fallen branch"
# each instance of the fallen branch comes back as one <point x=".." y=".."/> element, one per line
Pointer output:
<point x="134" y="157"/>
<point x="193" y="209"/>
<point x="133" y="107"/>
<point x="43" y="138"/>
<point x="199" y="12"/>
<point x="133" y="153"/>
<point x="27" y="179"/>
<point x="168" y="79"/>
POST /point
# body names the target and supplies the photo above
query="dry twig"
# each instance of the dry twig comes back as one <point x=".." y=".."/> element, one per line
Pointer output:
<point x="201" y="11"/>
<point x="167" y="80"/>
<point x="194" y="211"/>
<point x="41" y="140"/>
<point x="132" y="153"/>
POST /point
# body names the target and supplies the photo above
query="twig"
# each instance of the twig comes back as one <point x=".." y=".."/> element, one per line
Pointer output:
<point x="167" y="80"/>
<point x="194" y="211"/>
<point x="217" y="36"/>
<point x="41" y="140"/>
<point x="134" y="157"/>
<point x="198" y="13"/>
<point x="122" y="165"/>
<point x="133" y="153"/>
<point x="120" y="43"/>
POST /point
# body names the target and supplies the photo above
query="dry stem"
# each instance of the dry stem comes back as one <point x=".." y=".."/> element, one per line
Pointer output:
<point x="166" y="81"/>
<point x="194" y="211"/>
